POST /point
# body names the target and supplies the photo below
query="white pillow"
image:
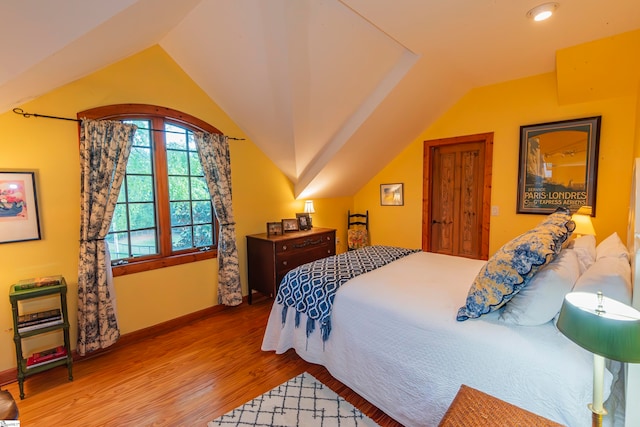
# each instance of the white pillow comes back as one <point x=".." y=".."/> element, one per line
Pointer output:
<point x="612" y="246"/>
<point x="539" y="301"/>
<point x="611" y="275"/>
<point x="585" y="247"/>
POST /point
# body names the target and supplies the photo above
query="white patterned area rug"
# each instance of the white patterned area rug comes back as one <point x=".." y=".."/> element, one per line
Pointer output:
<point x="301" y="401"/>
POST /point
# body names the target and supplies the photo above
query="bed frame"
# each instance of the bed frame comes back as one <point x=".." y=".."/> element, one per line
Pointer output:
<point x="632" y="384"/>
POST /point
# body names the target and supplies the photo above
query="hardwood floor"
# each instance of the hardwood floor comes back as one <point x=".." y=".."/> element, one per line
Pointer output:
<point x="184" y="377"/>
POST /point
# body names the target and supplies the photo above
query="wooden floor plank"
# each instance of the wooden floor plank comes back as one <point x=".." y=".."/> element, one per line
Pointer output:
<point x="183" y="377"/>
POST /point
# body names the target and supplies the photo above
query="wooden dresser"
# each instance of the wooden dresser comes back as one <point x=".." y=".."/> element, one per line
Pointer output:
<point x="271" y="257"/>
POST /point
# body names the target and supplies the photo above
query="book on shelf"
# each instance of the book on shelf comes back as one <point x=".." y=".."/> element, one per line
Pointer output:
<point x="38" y="317"/>
<point x="44" y="362"/>
<point x="35" y="326"/>
<point x="38" y="282"/>
<point x="41" y="319"/>
<point x="46" y="356"/>
<point x="39" y="322"/>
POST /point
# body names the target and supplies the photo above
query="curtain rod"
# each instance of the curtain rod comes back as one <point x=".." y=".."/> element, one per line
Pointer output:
<point x="29" y="115"/>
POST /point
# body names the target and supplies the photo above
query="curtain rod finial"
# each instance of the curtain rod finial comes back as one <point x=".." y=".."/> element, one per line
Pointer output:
<point x="21" y="112"/>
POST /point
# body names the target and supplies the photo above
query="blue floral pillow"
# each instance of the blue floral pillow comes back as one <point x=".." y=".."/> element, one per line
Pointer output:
<point x="514" y="264"/>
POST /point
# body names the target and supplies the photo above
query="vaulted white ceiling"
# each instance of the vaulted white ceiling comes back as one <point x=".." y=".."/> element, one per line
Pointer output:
<point x="330" y="90"/>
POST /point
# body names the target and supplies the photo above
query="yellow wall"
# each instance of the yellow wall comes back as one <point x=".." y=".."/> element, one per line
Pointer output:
<point x="599" y="69"/>
<point x="502" y="109"/>
<point x="637" y="135"/>
<point x="50" y="147"/>
<point x="396" y="225"/>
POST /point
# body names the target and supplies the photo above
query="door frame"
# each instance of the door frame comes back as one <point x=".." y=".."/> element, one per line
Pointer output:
<point x="427" y="168"/>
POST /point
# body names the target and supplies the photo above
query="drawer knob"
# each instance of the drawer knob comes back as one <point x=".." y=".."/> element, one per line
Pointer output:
<point x="284" y="247"/>
<point x="284" y="262"/>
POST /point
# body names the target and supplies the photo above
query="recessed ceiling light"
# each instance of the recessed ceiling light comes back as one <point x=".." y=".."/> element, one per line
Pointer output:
<point x="543" y="11"/>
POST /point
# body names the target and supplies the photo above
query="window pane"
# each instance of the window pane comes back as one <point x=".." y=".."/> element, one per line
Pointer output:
<point x="203" y="235"/>
<point x="143" y="242"/>
<point x="180" y="213"/>
<point x="176" y="137"/>
<point x="139" y="161"/>
<point x="199" y="189"/>
<point x="140" y="188"/>
<point x="141" y="215"/>
<point x="194" y="163"/>
<point x="181" y="238"/>
<point x="119" y="221"/>
<point x="177" y="162"/>
<point x="178" y="188"/>
<point x="202" y="212"/>
<point x="142" y="137"/>
<point x="191" y="141"/>
<point x="118" y="246"/>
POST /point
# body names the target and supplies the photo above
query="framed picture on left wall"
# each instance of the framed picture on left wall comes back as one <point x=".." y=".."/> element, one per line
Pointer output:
<point x="18" y="207"/>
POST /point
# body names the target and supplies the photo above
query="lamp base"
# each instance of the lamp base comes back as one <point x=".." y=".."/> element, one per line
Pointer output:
<point x="596" y="417"/>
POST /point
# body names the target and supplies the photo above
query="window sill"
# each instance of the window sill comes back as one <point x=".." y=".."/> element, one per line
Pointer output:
<point x="155" y="263"/>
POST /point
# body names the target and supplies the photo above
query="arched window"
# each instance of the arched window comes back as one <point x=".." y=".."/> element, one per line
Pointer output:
<point x="164" y="214"/>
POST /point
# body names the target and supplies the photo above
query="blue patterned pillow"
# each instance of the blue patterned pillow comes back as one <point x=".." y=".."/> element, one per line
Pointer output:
<point x="514" y="264"/>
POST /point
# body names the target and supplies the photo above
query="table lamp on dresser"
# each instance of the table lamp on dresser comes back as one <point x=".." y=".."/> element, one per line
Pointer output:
<point x="308" y="208"/>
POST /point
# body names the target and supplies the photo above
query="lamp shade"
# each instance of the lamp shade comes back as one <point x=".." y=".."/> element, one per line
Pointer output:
<point x="308" y="207"/>
<point x="601" y="325"/>
<point x="582" y="219"/>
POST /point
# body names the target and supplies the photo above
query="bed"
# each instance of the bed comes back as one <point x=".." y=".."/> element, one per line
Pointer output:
<point x="398" y="339"/>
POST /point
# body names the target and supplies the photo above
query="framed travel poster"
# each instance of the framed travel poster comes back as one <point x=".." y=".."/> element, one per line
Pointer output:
<point x="558" y="165"/>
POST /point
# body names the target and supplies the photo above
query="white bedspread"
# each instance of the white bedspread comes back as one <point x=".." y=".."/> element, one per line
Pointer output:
<point x="396" y="342"/>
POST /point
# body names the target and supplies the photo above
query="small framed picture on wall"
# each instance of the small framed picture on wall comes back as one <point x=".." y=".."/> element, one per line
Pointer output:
<point x="392" y="194"/>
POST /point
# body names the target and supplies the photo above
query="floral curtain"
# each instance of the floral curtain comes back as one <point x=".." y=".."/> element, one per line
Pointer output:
<point x="213" y="150"/>
<point x="104" y="150"/>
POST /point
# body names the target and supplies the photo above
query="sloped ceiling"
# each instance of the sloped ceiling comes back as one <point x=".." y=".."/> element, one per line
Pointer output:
<point x="330" y="90"/>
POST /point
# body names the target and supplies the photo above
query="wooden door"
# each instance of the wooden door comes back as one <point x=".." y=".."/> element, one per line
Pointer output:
<point x="457" y="195"/>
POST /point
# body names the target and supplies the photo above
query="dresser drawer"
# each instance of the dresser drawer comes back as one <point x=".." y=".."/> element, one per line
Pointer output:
<point x="305" y="243"/>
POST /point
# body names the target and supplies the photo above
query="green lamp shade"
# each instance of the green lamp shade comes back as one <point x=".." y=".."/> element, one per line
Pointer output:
<point x="601" y="325"/>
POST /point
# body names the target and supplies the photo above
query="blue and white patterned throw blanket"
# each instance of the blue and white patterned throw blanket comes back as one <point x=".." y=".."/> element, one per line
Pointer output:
<point x="311" y="288"/>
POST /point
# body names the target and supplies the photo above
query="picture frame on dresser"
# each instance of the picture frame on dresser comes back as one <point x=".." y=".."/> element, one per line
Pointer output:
<point x="304" y="221"/>
<point x="274" y="229"/>
<point x="290" y="224"/>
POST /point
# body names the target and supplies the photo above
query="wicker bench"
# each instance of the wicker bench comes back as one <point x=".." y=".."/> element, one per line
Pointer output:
<point x="473" y="408"/>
